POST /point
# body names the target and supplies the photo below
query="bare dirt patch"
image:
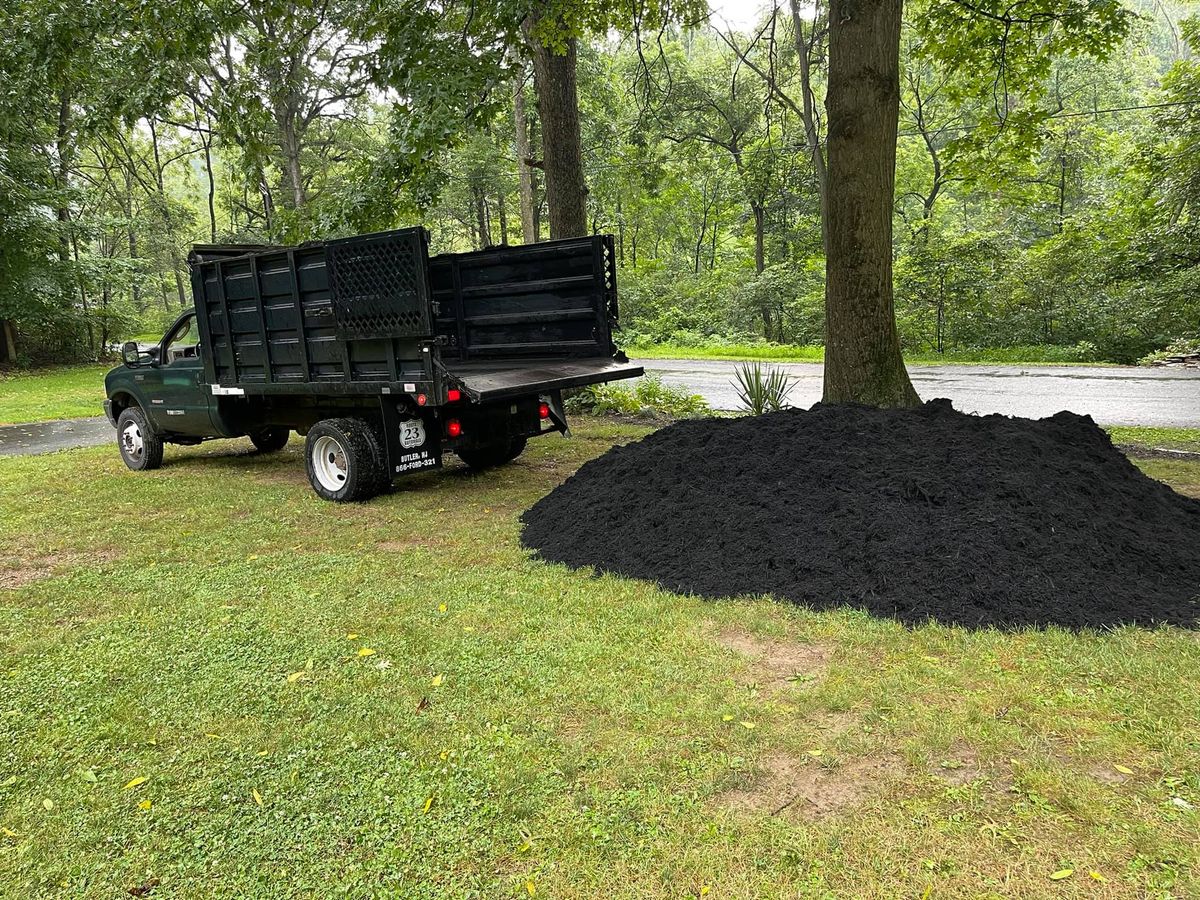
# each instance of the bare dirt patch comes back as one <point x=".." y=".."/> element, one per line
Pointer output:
<point x="959" y="766"/>
<point x="778" y="664"/>
<point x="807" y="788"/>
<point x="18" y="571"/>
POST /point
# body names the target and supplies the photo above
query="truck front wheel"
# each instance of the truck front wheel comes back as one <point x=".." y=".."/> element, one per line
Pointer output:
<point x="342" y="458"/>
<point x="141" y="449"/>
<point x="269" y="439"/>
<point x="492" y="454"/>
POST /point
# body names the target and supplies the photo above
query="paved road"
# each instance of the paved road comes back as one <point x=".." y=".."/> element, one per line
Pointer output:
<point x="46" y="437"/>
<point x="1110" y="395"/>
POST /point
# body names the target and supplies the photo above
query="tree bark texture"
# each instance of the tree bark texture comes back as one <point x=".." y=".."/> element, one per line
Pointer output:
<point x="558" y="104"/>
<point x="863" y="363"/>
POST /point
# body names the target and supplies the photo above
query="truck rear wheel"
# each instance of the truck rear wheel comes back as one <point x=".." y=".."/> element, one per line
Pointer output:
<point x="492" y="454"/>
<point x="141" y="449"/>
<point x="269" y="439"/>
<point x="342" y="458"/>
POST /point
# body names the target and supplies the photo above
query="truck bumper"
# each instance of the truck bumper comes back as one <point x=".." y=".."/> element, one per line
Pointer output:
<point x="108" y="412"/>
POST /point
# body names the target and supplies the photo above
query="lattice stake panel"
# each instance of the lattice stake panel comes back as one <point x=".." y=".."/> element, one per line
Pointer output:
<point x="380" y="285"/>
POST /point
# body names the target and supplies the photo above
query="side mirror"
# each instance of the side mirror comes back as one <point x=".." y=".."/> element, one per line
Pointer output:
<point x="129" y="353"/>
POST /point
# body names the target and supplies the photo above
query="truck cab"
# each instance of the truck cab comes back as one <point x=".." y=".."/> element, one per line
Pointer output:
<point x="166" y="382"/>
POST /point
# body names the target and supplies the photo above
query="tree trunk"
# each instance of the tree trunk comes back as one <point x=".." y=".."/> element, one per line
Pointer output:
<point x="502" y="215"/>
<point x="8" y="342"/>
<point x="562" y="157"/>
<point x="760" y="253"/>
<point x="526" y="174"/>
<point x="481" y="220"/>
<point x="812" y="134"/>
<point x="863" y="363"/>
<point x="63" y="151"/>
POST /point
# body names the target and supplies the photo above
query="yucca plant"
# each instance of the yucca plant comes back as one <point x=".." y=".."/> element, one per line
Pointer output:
<point x="762" y="393"/>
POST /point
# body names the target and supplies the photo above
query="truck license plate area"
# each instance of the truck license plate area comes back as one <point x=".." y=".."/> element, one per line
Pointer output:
<point x="417" y="452"/>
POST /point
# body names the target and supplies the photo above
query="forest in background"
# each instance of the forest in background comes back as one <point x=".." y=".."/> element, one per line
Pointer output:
<point x="1059" y="217"/>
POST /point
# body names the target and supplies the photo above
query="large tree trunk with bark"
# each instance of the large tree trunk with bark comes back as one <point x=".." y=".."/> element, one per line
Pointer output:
<point x="862" y="347"/>
<point x="562" y="157"/>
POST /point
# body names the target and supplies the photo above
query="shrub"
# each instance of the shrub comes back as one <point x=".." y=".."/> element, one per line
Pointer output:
<point x="761" y="393"/>
<point x="648" y="397"/>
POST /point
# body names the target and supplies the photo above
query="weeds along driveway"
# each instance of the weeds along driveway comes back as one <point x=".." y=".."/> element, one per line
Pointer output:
<point x="215" y="684"/>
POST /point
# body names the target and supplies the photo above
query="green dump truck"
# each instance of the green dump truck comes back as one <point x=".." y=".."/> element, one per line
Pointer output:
<point x="382" y="356"/>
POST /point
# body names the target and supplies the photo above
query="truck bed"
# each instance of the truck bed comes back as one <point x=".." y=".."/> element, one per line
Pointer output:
<point x="375" y="314"/>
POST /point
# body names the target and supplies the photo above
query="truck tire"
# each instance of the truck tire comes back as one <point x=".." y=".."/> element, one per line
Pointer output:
<point x="141" y="449"/>
<point x="269" y="439"/>
<point x="493" y="454"/>
<point x="342" y="459"/>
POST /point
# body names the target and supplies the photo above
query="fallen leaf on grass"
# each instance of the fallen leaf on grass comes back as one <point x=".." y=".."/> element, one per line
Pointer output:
<point x="437" y="680"/>
<point x="1124" y="770"/>
<point x="365" y="651"/>
<point x="428" y="804"/>
<point x="815" y="752"/>
<point x="88" y="775"/>
<point x="728" y="717"/>
<point x="8" y="782"/>
<point x="352" y="636"/>
<point x="531" y="888"/>
<point x="134" y="782"/>
<point x="296" y="676"/>
<point x="145" y="804"/>
<point x="441" y="607"/>
<point x="142" y="889"/>
<point x="256" y="795"/>
<point x="1096" y="876"/>
<point x="47" y="804"/>
<point x="1061" y="874"/>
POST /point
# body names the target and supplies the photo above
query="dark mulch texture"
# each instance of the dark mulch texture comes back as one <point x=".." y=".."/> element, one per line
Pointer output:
<point x="917" y="514"/>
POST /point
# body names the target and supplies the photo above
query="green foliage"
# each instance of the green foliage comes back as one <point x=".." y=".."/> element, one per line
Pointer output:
<point x="1029" y="220"/>
<point x="762" y="393"/>
<point x="649" y="397"/>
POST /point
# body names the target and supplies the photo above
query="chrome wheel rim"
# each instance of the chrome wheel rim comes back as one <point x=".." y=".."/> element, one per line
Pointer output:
<point x="329" y="463"/>
<point x="131" y="440"/>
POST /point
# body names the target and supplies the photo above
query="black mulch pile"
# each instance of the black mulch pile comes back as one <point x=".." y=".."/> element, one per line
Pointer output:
<point x="917" y="514"/>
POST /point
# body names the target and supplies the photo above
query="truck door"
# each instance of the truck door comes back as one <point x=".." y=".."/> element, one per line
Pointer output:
<point x="177" y="398"/>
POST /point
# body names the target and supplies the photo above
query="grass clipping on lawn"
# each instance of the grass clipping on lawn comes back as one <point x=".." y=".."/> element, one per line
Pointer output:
<point x="919" y="514"/>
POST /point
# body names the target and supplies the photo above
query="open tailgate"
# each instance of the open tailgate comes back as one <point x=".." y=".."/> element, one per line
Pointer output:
<point x="485" y="380"/>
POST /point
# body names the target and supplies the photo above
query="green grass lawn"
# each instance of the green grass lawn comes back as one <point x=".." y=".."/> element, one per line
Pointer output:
<point x="1012" y="356"/>
<point x="66" y="393"/>
<point x="213" y="684"/>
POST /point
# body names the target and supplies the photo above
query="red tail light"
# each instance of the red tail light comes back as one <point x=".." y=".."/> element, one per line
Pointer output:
<point x="453" y="395"/>
<point x="544" y="410"/>
<point x="454" y="428"/>
<point x="421" y="399"/>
